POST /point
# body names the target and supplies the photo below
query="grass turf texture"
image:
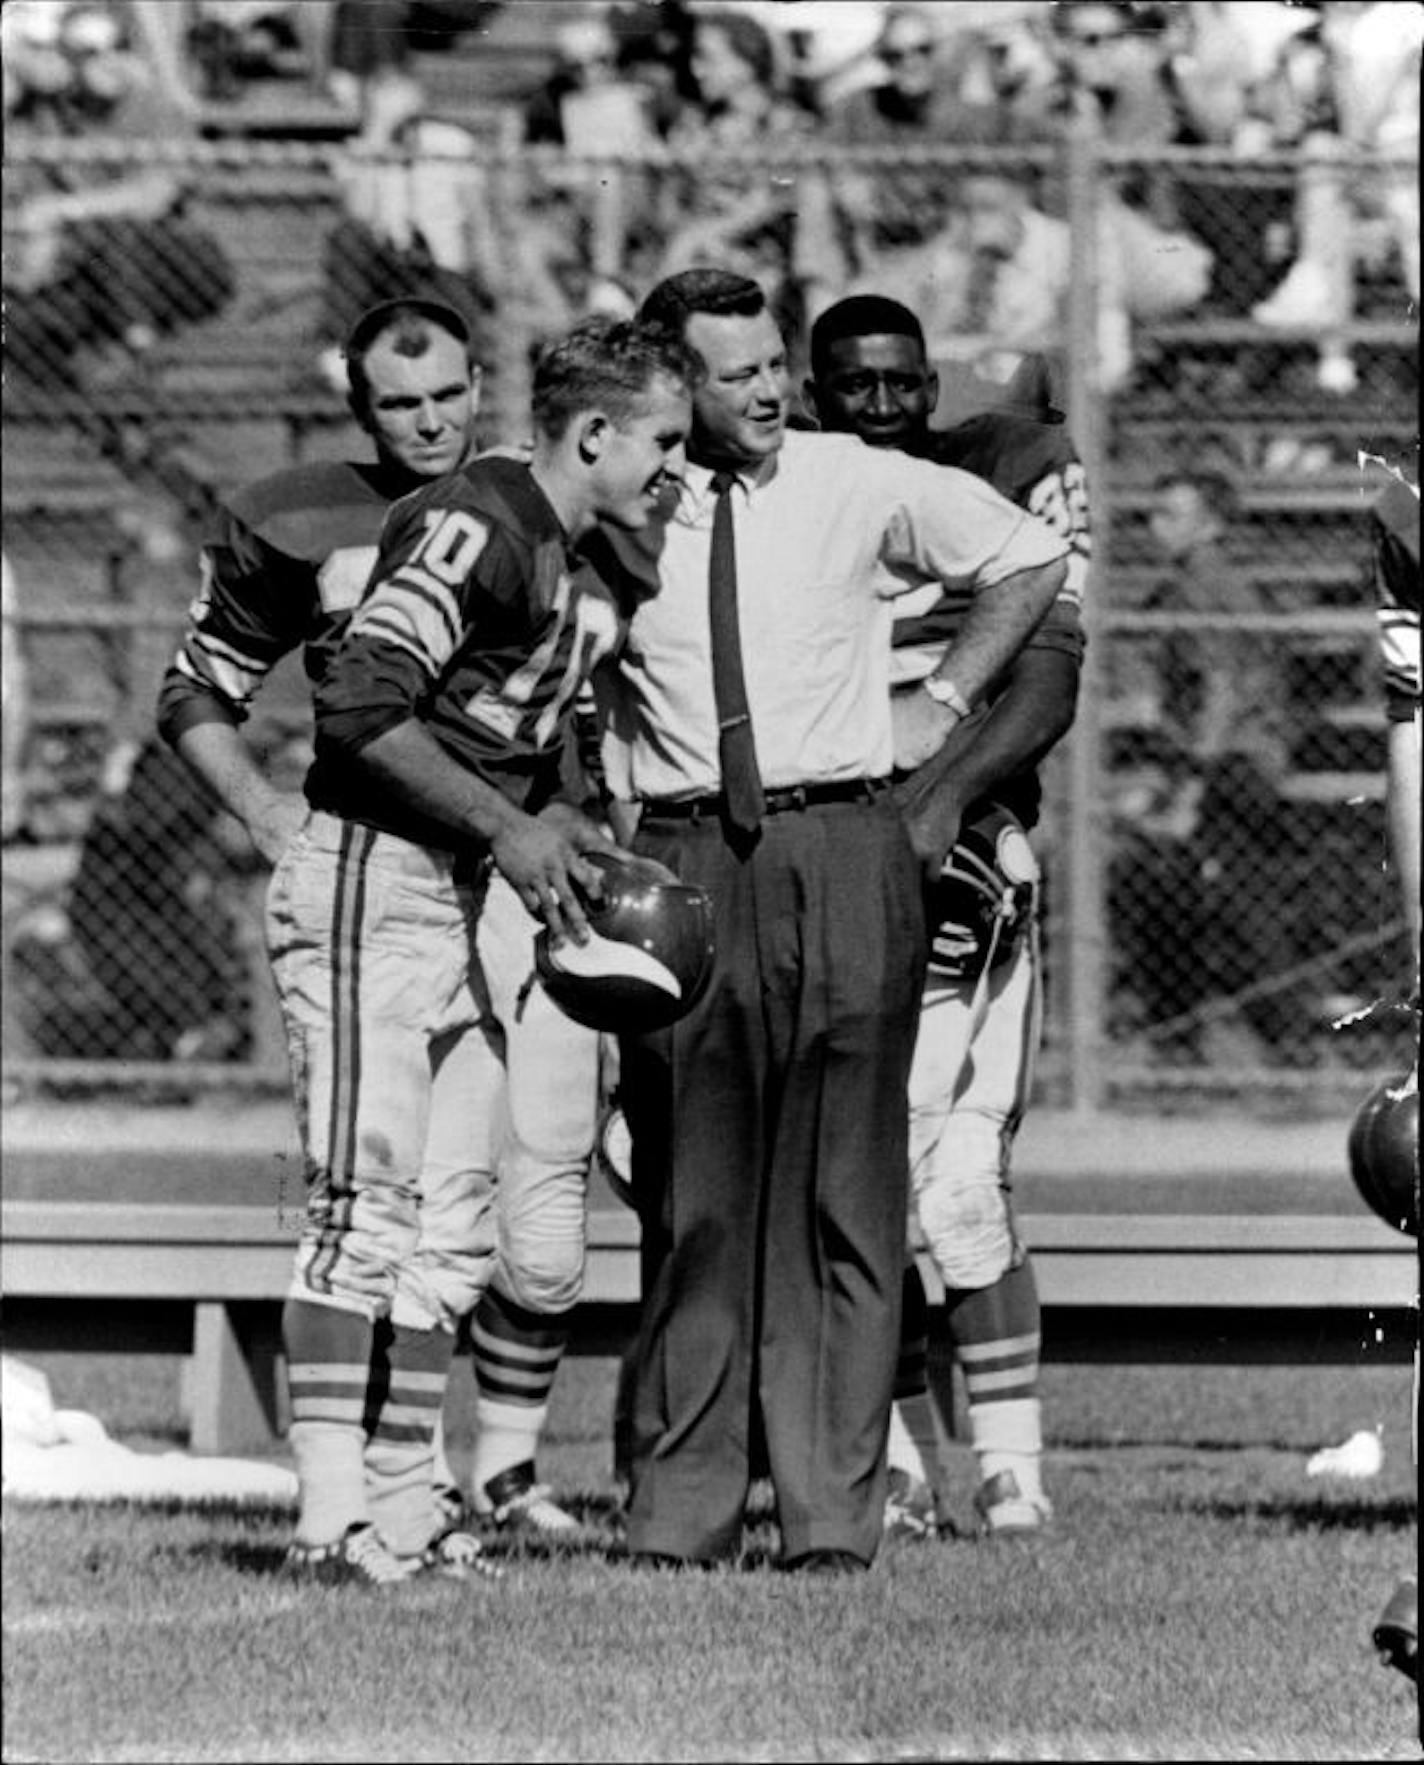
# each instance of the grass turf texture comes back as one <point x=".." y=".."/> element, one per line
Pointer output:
<point x="1201" y="1598"/>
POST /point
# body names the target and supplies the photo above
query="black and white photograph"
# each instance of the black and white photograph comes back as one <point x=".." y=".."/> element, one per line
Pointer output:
<point x="711" y="881"/>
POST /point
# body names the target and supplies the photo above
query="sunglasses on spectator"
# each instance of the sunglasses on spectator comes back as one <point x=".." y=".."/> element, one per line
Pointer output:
<point x="909" y="52"/>
<point x="1093" y="39"/>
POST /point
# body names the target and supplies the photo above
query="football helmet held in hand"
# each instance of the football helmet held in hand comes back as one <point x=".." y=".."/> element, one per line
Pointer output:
<point x="1384" y="1152"/>
<point x="983" y="899"/>
<point x="649" y="954"/>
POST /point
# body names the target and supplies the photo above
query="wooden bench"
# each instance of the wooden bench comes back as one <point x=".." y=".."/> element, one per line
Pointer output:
<point x="1183" y="1250"/>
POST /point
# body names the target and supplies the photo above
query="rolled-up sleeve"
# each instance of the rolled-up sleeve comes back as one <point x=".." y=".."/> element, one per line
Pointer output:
<point x="948" y="524"/>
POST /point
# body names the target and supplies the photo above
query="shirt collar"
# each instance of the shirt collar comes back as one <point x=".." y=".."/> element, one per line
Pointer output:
<point x="697" y="498"/>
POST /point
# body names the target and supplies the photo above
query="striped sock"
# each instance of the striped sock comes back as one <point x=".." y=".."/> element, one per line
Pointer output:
<point x="328" y="1355"/>
<point x="516" y="1356"/>
<point x="996" y="1336"/>
<point x="400" y="1457"/>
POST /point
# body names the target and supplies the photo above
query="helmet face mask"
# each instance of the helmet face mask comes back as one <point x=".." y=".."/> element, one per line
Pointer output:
<point x="648" y="958"/>
<point x="1383" y="1149"/>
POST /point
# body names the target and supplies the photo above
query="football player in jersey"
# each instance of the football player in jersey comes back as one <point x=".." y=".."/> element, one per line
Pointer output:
<point x="288" y="556"/>
<point x="286" y="562"/>
<point x="1394" y="551"/>
<point x="980" y="1015"/>
<point x="441" y="721"/>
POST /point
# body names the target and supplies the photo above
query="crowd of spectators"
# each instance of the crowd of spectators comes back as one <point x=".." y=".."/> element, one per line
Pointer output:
<point x="670" y="133"/>
<point x="745" y="82"/>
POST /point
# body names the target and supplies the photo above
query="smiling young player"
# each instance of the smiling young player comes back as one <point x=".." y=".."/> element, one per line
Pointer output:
<point x="440" y="729"/>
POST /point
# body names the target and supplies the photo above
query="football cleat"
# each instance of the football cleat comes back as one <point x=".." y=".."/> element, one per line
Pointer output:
<point x="1004" y="1511"/>
<point x="359" y="1558"/>
<point x="909" y="1507"/>
<point x="1396" y="1633"/>
<point x="458" y="1556"/>
<point x="450" y="1505"/>
<point x="513" y="1503"/>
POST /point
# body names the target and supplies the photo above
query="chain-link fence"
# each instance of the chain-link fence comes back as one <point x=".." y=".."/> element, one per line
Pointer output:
<point x="1217" y="896"/>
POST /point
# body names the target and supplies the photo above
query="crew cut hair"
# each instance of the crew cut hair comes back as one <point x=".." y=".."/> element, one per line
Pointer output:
<point x="861" y="315"/>
<point x="608" y="365"/>
<point x="410" y="325"/>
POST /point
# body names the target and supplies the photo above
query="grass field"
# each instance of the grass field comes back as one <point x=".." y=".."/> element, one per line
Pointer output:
<point x="1201" y="1598"/>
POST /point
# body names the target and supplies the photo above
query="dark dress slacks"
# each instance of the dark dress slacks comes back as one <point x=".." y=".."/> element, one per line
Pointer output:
<point x="770" y="1154"/>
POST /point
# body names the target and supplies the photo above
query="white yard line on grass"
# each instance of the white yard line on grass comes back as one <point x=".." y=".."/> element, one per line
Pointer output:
<point x="81" y="1621"/>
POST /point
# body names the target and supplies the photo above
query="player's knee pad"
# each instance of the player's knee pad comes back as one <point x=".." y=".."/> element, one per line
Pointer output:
<point x="548" y="1286"/>
<point x="964" y="1208"/>
<point x="542" y="1234"/>
<point x="438" y="1286"/>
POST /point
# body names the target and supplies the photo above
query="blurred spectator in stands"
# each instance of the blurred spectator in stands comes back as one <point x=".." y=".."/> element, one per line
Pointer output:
<point x="1120" y="75"/>
<point x="591" y="105"/>
<point x="587" y="103"/>
<point x="233" y="42"/>
<point x="915" y="102"/>
<point x="738" y="217"/>
<point x="1151" y="75"/>
<point x="369" y="71"/>
<point x="997" y="273"/>
<point x="94" y="255"/>
<point x="655" y="53"/>
<point x="1221" y="687"/>
<point x="1205" y="945"/>
<point x="1344" y="88"/>
<point x="739" y="99"/>
<point x="418" y="220"/>
<point x="14" y="707"/>
<point x="137" y="958"/>
<point x="72" y="67"/>
<point x="826" y="47"/>
<point x="946" y="81"/>
<point x="1152" y="794"/>
<point x="113" y="261"/>
<point x="369" y="48"/>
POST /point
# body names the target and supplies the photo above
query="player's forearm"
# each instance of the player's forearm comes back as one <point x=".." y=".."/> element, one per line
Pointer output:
<point x="1034" y="712"/>
<point x="217" y="753"/>
<point x="1000" y="620"/>
<point x="1031" y="715"/>
<point x="408" y="761"/>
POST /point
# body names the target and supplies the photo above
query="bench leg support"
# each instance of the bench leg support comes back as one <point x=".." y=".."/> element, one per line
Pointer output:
<point x="236" y="1381"/>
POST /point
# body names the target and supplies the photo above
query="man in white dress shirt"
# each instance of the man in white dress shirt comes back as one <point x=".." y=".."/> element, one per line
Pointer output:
<point x="769" y="1126"/>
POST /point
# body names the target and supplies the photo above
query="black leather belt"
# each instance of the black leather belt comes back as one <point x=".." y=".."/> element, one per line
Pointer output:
<point x="778" y="802"/>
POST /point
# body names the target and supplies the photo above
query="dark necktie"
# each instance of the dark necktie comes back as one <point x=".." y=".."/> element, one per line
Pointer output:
<point x="741" y="780"/>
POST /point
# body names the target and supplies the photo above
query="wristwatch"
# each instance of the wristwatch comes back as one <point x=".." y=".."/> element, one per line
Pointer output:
<point x="945" y="692"/>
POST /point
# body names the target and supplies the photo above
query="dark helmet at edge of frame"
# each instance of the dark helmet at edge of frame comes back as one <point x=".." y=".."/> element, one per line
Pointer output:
<point x="649" y="954"/>
<point x="1384" y="1152"/>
